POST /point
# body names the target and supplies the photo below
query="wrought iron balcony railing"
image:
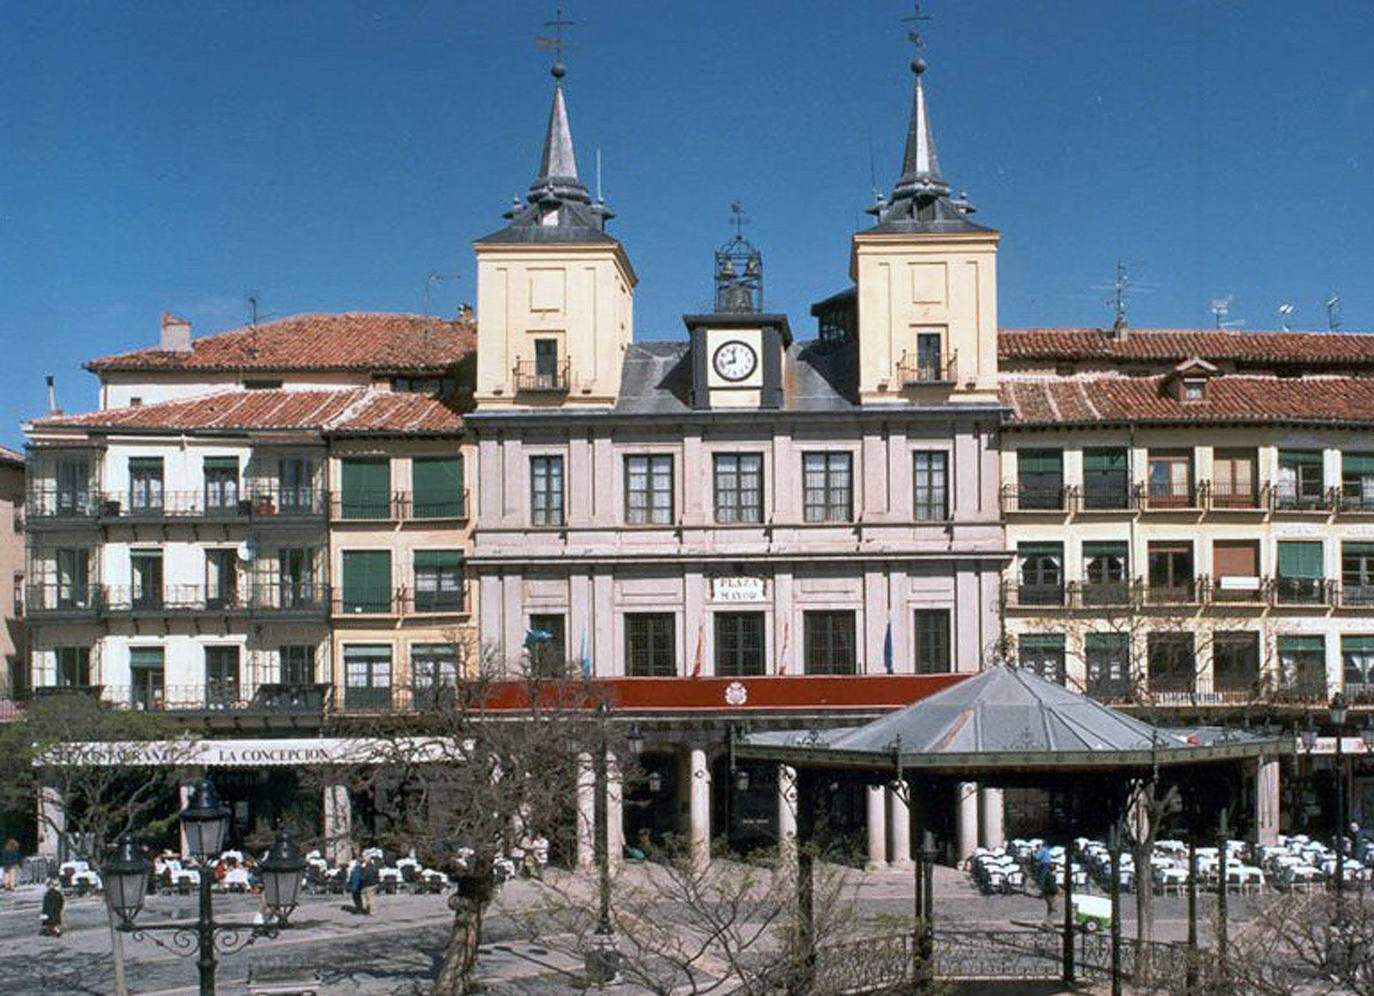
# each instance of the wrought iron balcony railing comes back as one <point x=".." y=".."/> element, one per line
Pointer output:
<point x="533" y="377"/>
<point x="1032" y="498"/>
<point x="1167" y="497"/>
<point x="1228" y="498"/>
<point x="56" y="602"/>
<point x="215" y="697"/>
<point x="1298" y="499"/>
<point x="914" y="369"/>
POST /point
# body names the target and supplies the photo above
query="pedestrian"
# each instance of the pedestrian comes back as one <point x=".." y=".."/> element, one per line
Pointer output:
<point x="372" y="879"/>
<point x="355" y="884"/>
<point x="52" y="910"/>
<point x="10" y="859"/>
<point x="1049" y="884"/>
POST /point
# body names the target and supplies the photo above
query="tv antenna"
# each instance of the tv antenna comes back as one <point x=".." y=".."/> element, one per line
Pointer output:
<point x="1285" y="312"/>
<point x="1117" y="302"/>
<point x="1221" y="308"/>
<point x="1333" y="311"/>
<point x="254" y="315"/>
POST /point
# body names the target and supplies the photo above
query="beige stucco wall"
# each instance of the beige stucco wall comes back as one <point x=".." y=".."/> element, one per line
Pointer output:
<point x="12" y="643"/>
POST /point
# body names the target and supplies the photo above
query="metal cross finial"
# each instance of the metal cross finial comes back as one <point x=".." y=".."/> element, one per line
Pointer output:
<point x="914" y="35"/>
<point x="556" y="43"/>
<point x="737" y="218"/>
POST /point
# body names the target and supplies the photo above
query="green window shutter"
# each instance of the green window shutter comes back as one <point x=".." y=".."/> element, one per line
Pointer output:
<point x="438" y="487"/>
<point x="1103" y="550"/>
<point x="1301" y="456"/>
<point x="222" y="463"/>
<point x="1300" y="560"/>
<point x="366" y="487"/>
<point x="1301" y="644"/>
<point x="1040" y="549"/>
<point x="438" y="559"/>
<point x="1040" y="461"/>
<point x="1104" y="459"/>
<point x="1357" y="463"/>
<point x="366" y="581"/>
<point x="1357" y="549"/>
<point x="1042" y="641"/>
<point x="1357" y="644"/>
<point x="145" y="465"/>
<point x="145" y="657"/>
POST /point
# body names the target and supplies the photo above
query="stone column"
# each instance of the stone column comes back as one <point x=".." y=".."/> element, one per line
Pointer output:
<point x="586" y="811"/>
<point x="966" y="801"/>
<point x="615" y="812"/>
<point x="184" y="795"/>
<point x="1267" y="802"/>
<point x="877" y="828"/>
<point x="899" y="825"/>
<point x="699" y="806"/>
<point x="992" y="829"/>
<point x="338" y="824"/>
<point x="52" y="822"/>
<point x="787" y="814"/>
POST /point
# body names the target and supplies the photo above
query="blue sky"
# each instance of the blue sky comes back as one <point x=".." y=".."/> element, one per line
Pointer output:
<point x="162" y="156"/>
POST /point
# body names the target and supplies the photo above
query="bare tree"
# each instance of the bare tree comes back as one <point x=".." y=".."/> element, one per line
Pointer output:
<point x="115" y="778"/>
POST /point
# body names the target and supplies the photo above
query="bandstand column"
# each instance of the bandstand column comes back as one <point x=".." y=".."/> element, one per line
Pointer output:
<point x="787" y="812"/>
<point x="1267" y="801"/>
<point x="586" y="810"/>
<point x="899" y="824"/>
<point x="338" y="823"/>
<point x="877" y="827"/>
<point x="615" y="812"/>
<point x="699" y="805"/>
<point x="992" y="828"/>
<point x="966" y="796"/>
<point x="52" y="822"/>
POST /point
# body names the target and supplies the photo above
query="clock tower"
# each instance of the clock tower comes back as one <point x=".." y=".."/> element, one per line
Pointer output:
<point x="737" y="351"/>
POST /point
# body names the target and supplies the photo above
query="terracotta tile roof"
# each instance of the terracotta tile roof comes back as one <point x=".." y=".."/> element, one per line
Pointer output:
<point x="356" y="340"/>
<point x="1311" y="348"/>
<point x="11" y="457"/>
<point x="1234" y="398"/>
<point x="353" y="410"/>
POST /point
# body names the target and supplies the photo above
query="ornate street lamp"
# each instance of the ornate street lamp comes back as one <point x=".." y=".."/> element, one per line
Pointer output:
<point x="1309" y="734"/>
<point x="204" y="822"/>
<point x="655" y="780"/>
<point x="1338" y="715"/>
<point x="635" y="740"/>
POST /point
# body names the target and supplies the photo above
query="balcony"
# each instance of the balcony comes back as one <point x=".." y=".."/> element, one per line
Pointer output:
<point x="1100" y="496"/>
<point x="1354" y="596"/>
<point x="219" y="697"/>
<point x="51" y="508"/>
<point x="1104" y="594"/>
<point x="1029" y="498"/>
<point x="369" y="506"/>
<point x="1168" y="498"/>
<point x="289" y="599"/>
<point x="1041" y="596"/>
<point x="378" y="603"/>
<point x="1297" y="592"/>
<point x="260" y="504"/>
<point x="1304" y="500"/>
<point x="914" y="370"/>
<point x="64" y="603"/>
<point x="1225" y="498"/>
<point x="1309" y="692"/>
<point x="1238" y="590"/>
<point x="174" y="600"/>
<point x="447" y="602"/>
<point x="1354" y="500"/>
<point x="533" y="377"/>
<point x="1182" y="593"/>
<point x="270" y="503"/>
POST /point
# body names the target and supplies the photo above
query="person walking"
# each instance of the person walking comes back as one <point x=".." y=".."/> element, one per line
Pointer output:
<point x="355" y="884"/>
<point x="53" y="902"/>
<point x="1049" y="886"/>
<point x="372" y="879"/>
<point x="10" y="860"/>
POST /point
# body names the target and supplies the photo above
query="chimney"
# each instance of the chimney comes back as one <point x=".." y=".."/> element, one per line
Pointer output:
<point x="176" y="334"/>
<point x="52" y="397"/>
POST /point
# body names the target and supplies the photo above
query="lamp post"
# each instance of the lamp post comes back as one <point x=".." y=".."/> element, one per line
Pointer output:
<point x="204" y="822"/>
<point x="1338" y="715"/>
<point x="602" y="960"/>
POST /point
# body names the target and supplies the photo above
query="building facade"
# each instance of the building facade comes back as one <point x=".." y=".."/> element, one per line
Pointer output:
<point x="13" y="642"/>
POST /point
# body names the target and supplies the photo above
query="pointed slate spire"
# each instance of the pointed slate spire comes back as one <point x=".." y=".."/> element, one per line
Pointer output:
<point x="920" y="165"/>
<point x="557" y="179"/>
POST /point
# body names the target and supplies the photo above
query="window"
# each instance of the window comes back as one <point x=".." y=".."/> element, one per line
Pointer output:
<point x="829" y="490"/>
<point x="433" y="674"/>
<point x="1043" y="654"/>
<point x="931" y="499"/>
<point x="73" y="579"/>
<point x="1357" y="573"/>
<point x="547" y="644"/>
<point x="298" y="664"/>
<point x="73" y="487"/>
<point x="929" y="362"/>
<point x="367" y="675"/>
<point x="1108" y="658"/>
<point x="1106" y="479"/>
<point x="1171" y="662"/>
<point x="73" y="667"/>
<point x="437" y="485"/>
<point x="1301" y="484"/>
<point x="1233" y="479"/>
<point x="438" y="581"/>
<point x="1235" y="565"/>
<point x="147" y="578"/>
<point x="648" y="490"/>
<point x="366" y="489"/>
<point x="546" y="490"/>
<point x="739" y="487"/>
<point x="221" y="579"/>
<point x="1169" y="479"/>
<point x="1357" y="482"/>
<point x="546" y="360"/>
<point x="367" y="581"/>
<point x="739" y="644"/>
<point x="1106" y="573"/>
<point x="1040" y="479"/>
<point x="1236" y="663"/>
<point x="931" y="629"/>
<point x="1302" y="666"/>
<point x="296" y="578"/>
<point x="650" y="650"/>
<point x="1042" y="573"/>
<point x="1301" y="572"/>
<point x="221" y="484"/>
<point x="439" y="386"/>
<point x="1171" y="572"/>
<point x="1193" y="390"/>
<point x="295" y="485"/>
<point x="221" y="677"/>
<point x="146" y="674"/>
<point x="1357" y="662"/>
<point x="829" y="642"/>
<point x="145" y="484"/>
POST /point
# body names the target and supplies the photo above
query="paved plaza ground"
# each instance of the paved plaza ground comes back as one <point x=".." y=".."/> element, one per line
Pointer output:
<point x="397" y="950"/>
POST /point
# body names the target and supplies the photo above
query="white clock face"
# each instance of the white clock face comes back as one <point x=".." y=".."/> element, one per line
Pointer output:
<point x="734" y="360"/>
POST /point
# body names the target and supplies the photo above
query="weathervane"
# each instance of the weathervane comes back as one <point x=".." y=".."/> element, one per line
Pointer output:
<point x="556" y="44"/>
<point x="737" y="218"/>
<point x="914" y="35"/>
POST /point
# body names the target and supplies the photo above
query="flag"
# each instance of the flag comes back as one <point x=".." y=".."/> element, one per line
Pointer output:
<point x="887" y="650"/>
<point x="782" y="650"/>
<point x="585" y="661"/>
<point x="701" y="640"/>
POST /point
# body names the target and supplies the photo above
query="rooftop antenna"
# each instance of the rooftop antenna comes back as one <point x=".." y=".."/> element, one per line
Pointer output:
<point x="1333" y="311"/>
<point x="433" y="278"/>
<point x="599" y="198"/>
<point x="1117" y="302"/>
<point x="872" y="169"/>
<point x="253" y="310"/>
<point x="1285" y="310"/>
<point x="1221" y="309"/>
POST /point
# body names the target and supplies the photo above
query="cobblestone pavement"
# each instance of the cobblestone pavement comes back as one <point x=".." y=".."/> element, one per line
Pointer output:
<point x="398" y="948"/>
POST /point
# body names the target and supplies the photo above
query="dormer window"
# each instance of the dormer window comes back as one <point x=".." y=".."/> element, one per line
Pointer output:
<point x="1194" y="389"/>
<point x="1188" y="380"/>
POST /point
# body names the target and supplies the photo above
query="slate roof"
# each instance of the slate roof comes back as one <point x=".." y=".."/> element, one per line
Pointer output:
<point x="357" y="410"/>
<point x="1175" y="345"/>
<point x="1005" y="718"/>
<point x="352" y="341"/>
<point x="1086" y="400"/>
